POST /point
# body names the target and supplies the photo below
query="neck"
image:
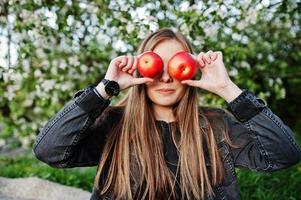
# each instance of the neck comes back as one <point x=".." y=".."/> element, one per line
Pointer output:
<point x="164" y="113"/>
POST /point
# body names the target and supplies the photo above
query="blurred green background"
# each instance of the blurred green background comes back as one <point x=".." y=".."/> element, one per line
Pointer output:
<point x="49" y="49"/>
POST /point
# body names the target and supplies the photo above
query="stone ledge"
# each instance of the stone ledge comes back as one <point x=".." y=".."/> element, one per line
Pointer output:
<point x="38" y="189"/>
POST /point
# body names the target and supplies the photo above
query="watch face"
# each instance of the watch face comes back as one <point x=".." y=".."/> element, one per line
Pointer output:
<point x="112" y="88"/>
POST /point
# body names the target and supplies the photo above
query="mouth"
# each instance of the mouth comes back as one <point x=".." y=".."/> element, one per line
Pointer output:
<point x="166" y="91"/>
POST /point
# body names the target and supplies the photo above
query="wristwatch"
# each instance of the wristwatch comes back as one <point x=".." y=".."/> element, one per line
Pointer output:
<point x="112" y="88"/>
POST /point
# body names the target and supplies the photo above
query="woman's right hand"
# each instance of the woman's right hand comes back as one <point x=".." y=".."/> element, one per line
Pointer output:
<point x="121" y="70"/>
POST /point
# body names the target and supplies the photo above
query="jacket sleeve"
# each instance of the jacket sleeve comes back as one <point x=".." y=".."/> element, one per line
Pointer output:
<point x="70" y="138"/>
<point x="266" y="143"/>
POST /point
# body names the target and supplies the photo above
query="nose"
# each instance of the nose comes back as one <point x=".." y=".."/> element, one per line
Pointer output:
<point x="165" y="77"/>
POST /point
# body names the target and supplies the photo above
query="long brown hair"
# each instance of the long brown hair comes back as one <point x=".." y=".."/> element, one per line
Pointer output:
<point x="133" y="159"/>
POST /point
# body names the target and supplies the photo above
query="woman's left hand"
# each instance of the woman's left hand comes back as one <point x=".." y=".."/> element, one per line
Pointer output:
<point x="214" y="74"/>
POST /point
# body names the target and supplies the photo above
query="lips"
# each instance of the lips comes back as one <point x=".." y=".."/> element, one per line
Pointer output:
<point x="165" y="90"/>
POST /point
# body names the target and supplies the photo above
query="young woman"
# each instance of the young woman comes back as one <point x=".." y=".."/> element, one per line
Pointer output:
<point x="158" y="143"/>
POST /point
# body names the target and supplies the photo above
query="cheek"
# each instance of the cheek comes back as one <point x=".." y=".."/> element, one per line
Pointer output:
<point x="180" y="87"/>
<point x="181" y="92"/>
<point x="149" y="91"/>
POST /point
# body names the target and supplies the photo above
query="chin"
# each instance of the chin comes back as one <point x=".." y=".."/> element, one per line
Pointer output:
<point x="165" y="103"/>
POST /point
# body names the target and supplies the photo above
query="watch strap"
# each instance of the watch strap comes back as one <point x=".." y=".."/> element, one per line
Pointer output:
<point x="105" y="81"/>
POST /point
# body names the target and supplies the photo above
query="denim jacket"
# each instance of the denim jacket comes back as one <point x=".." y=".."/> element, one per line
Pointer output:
<point x="74" y="137"/>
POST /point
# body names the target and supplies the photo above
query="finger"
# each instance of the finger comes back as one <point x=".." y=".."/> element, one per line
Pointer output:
<point x="129" y="64"/>
<point x="134" y="66"/>
<point x="192" y="83"/>
<point x="137" y="81"/>
<point x="123" y="62"/>
<point x="209" y="53"/>
<point x="117" y="60"/>
<point x="206" y="59"/>
<point x="214" y="56"/>
<point x="219" y="54"/>
<point x="199" y="59"/>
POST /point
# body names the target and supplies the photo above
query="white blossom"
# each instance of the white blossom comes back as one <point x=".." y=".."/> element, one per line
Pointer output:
<point x="279" y="81"/>
<point x="271" y="58"/>
<point x="184" y="6"/>
<point x="54" y="98"/>
<point x="252" y="16"/>
<point x="125" y="7"/>
<point x="120" y="45"/>
<point x="28" y="102"/>
<point x="37" y="2"/>
<point x="142" y="13"/>
<point x="231" y="21"/>
<point x="270" y="82"/>
<point x="66" y="86"/>
<point x="130" y="27"/>
<point x="16" y="77"/>
<point x="170" y="15"/>
<point x="45" y="63"/>
<point x="6" y="76"/>
<point x="241" y="24"/>
<point x="70" y="20"/>
<point x="233" y="72"/>
<point x="84" y="68"/>
<point x="51" y="18"/>
<point x="184" y="28"/>
<point x="142" y="32"/>
<point x="26" y="65"/>
<point x="223" y="45"/>
<point x="10" y="92"/>
<point x="150" y="5"/>
<point x="259" y="6"/>
<point x="265" y="3"/>
<point x="48" y="85"/>
<point x="37" y="73"/>
<point x="73" y="61"/>
<point x="2" y="142"/>
<point x="197" y="42"/>
<point x="25" y="141"/>
<point x="212" y="30"/>
<point x="259" y="56"/>
<point x="199" y="5"/>
<point x="209" y="10"/>
<point x="244" y="64"/>
<point x="38" y="110"/>
<point x="227" y="30"/>
<point x="236" y="36"/>
<point x="82" y="5"/>
<point x="153" y="26"/>
<point x="235" y="11"/>
<point x="160" y="15"/>
<point x="25" y="14"/>
<point x="113" y="5"/>
<point x="53" y="70"/>
<point x="223" y="11"/>
<point x="41" y="54"/>
<point x="11" y="18"/>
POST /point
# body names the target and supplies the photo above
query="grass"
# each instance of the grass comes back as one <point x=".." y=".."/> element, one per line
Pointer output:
<point x="284" y="184"/>
<point x="29" y="166"/>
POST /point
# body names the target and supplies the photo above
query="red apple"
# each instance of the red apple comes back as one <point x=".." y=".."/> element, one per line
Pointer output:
<point x="150" y="64"/>
<point x="182" y="66"/>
